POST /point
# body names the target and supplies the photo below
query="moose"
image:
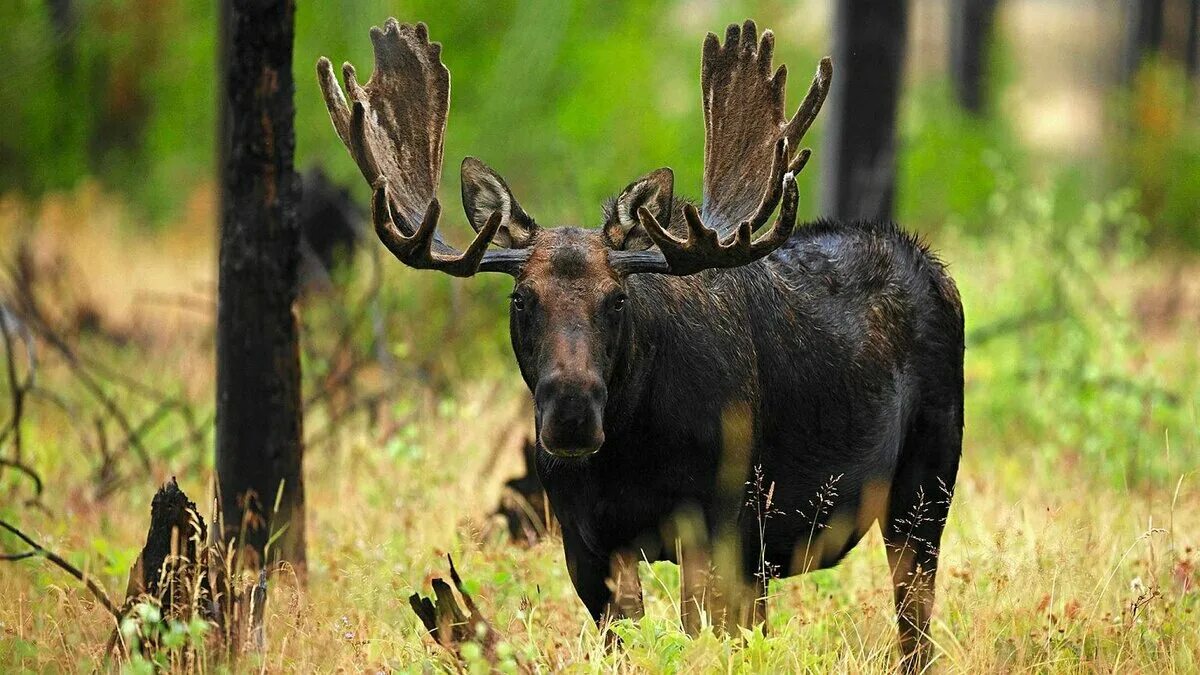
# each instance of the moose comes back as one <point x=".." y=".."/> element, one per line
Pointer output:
<point x="746" y="402"/>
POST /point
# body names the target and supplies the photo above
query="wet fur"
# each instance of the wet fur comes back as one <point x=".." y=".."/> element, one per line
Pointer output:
<point x="845" y="346"/>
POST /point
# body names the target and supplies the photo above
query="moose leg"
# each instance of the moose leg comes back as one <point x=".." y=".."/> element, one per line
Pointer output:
<point x="608" y="585"/>
<point x="625" y="586"/>
<point x="918" y="506"/>
<point x="753" y="610"/>
<point x="724" y="595"/>
<point x="695" y="581"/>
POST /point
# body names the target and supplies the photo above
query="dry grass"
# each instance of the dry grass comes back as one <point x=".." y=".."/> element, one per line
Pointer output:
<point x="1048" y="564"/>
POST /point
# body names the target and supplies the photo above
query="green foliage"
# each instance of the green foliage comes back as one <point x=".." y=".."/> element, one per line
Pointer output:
<point x="569" y="100"/>
<point x="1054" y="351"/>
<point x="126" y="95"/>
<point x="156" y="643"/>
<point x="1160" y="153"/>
<point x="43" y="102"/>
<point x="952" y="162"/>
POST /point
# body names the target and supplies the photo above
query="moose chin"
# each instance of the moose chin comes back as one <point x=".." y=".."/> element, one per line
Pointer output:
<point x="693" y="362"/>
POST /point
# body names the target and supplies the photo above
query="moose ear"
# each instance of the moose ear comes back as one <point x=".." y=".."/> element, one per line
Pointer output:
<point x="484" y="192"/>
<point x="655" y="192"/>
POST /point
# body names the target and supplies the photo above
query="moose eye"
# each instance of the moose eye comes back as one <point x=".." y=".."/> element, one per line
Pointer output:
<point x="518" y="302"/>
<point x="618" y="302"/>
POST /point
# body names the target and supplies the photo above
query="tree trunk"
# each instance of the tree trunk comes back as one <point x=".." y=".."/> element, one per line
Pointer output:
<point x="970" y="34"/>
<point x="1193" y="40"/>
<point x="64" y="20"/>
<point x="259" y="442"/>
<point x="1144" y="33"/>
<point x="859" y="158"/>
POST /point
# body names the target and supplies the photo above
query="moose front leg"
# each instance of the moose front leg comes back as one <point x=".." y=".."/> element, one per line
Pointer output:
<point x="625" y="586"/>
<point x="721" y="592"/>
<point x="608" y="585"/>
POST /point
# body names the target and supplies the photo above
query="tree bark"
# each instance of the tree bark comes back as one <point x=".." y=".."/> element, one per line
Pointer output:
<point x="971" y="24"/>
<point x="259" y="446"/>
<point x="859" y="159"/>
<point x="1144" y="33"/>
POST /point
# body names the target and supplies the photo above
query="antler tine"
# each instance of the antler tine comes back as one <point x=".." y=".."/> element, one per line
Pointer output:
<point x="702" y="249"/>
<point x="359" y="148"/>
<point x="744" y="117"/>
<point x="770" y="198"/>
<point x="335" y="100"/>
<point x="813" y="100"/>
<point x="417" y="249"/>
<point x="784" y="225"/>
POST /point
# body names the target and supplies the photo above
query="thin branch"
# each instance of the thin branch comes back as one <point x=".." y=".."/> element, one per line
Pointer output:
<point x="35" y="317"/>
<point x="28" y="472"/>
<point x="39" y="550"/>
<point x="363" y="402"/>
<point x="18" y="387"/>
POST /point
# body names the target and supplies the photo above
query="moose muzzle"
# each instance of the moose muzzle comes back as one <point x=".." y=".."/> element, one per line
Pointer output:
<point x="570" y="414"/>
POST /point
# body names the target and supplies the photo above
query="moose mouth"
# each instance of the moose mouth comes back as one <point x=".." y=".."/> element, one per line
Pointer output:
<point x="569" y="452"/>
<point x="570" y="448"/>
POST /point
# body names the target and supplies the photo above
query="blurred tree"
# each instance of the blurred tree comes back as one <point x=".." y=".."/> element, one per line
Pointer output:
<point x="971" y="24"/>
<point x="1144" y="33"/>
<point x="859" y="159"/>
<point x="259" y="447"/>
<point x="63" y="20"/>
<point x="1193" y="39"/>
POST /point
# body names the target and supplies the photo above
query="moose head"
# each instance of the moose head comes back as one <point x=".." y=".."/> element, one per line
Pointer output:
<point x="570" y="318"/>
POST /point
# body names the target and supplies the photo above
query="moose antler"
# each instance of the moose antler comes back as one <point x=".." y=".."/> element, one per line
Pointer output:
<point x="743" y="119"/>
<point x="704" y="248"/>
<point x="394" y="127"/>
<point x="744" y="127"/>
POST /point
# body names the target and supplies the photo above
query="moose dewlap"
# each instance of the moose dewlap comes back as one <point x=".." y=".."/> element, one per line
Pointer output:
<point x="745" y="403"/>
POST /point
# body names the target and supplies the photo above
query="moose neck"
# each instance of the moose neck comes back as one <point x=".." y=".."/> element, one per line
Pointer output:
<point x="690" y="324"/>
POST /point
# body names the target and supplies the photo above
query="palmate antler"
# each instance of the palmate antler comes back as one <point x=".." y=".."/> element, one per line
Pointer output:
<point x="748" y="168"/>
<point x="744" y="118"/>
<point x="704" y="248"/>
<point x="394" y="127"/>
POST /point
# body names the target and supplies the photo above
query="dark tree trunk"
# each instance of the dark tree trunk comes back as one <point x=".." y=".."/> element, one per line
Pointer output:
<point x="63" y="19"/>
<point x="259" y="442"/>
<point x="859" y="159"/>
<point x="971" y="24"/>
<point x="1144" y="33"/>
<point x="1193" y="40"/>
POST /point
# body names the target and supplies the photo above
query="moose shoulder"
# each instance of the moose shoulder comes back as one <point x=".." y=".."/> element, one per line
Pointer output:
<point x="745" y="399"/>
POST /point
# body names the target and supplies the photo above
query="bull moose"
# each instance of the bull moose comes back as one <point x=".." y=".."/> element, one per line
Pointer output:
<point x="745" y="404"/>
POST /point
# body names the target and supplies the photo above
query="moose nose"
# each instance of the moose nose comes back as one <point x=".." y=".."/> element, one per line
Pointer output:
<point x="570" y="414"/>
